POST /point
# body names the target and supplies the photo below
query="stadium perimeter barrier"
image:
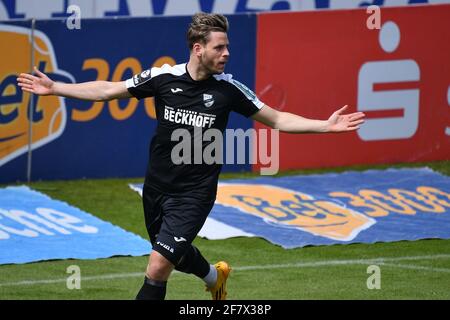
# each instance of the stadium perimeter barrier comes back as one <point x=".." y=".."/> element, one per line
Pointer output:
<point x="305" y="62"/>
<point x="312" y="63"/>
<point x="73" y="138"/>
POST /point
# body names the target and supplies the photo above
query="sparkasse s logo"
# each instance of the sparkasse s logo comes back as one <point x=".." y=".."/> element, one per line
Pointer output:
<point x="49" y="112"/>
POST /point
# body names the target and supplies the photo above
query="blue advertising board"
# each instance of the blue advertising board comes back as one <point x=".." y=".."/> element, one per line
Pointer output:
<point x="76" y="139"/>
<point x="44" y="9"/>
<point x="336" y="208"/>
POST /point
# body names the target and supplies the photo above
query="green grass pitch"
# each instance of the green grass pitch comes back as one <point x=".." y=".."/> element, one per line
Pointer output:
<point x="261" y="270"/>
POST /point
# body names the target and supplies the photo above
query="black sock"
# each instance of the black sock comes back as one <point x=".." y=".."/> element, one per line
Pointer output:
<point x="152" y="290"/>
<point x="193" y="262"/>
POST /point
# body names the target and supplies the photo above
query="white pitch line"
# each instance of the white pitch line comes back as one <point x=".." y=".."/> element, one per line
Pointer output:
<point x="381" y="261"/>
<point x="83" y="278"/>
<point x="415" y="267"/>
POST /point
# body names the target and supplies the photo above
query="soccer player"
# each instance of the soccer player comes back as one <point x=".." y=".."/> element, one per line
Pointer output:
<point x="177" y="198"/>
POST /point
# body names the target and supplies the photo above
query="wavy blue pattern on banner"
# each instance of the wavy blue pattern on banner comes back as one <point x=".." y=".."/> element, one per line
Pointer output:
<point x="351" y="207"/>
<point x="371" y="199"/>
<point x="34" y="227"/>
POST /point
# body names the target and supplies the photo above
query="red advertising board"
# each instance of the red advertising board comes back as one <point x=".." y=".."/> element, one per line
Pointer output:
<point x="312" y="63"/>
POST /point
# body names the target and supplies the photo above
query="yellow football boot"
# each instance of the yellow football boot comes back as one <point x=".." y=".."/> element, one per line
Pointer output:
<point x="219" y="291"/>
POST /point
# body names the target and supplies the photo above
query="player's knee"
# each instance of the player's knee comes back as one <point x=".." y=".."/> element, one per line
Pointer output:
<point x="159" y="268"/>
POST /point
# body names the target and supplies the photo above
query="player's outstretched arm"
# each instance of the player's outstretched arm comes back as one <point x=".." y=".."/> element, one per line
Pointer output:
<point x="40" y="84"/>
<point x="292" y="123"/>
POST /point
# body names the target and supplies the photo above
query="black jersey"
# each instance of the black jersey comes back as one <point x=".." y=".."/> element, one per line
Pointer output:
<point x="183" y="103"/>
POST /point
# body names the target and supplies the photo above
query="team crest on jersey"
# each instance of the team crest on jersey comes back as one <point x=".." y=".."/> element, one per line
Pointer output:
<point x="208" y="100"/>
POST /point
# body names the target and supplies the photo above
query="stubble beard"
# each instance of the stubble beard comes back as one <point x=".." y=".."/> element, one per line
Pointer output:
<point x="208" y="65"/>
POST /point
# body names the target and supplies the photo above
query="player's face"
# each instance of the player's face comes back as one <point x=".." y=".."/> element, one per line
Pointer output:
<point x="215" y="53"/>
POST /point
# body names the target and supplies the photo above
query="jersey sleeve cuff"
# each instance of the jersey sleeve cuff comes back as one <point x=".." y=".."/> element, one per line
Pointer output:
<point x="129" y="83"/>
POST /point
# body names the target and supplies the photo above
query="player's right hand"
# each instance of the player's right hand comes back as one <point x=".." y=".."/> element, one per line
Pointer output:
<point x="38" y="84"/>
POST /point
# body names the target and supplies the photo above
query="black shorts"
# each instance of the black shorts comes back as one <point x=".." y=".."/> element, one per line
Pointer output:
<point x="173" y="222"/>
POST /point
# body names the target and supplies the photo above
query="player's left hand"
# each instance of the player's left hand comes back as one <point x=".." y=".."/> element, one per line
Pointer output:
<point x="339" y="122"/>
